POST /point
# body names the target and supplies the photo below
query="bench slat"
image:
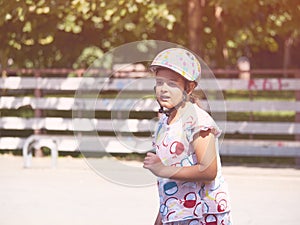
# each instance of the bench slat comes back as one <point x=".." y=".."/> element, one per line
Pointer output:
<point x="68" y="124"/>
<point x="67" y="103"/>
<point x="142" y="84"/>
<point x="111" y="145"/>
<point x="135" y="125"/>
<point x="260" y="148"/>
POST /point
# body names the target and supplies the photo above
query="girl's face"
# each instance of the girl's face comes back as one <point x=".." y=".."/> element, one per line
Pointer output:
<point x="169" y="88"/>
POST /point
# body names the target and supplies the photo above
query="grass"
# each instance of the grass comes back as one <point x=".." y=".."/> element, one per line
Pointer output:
<point x="260" y="95"/>
<point x="273" y="162"/>
<point x="283" y="116"/>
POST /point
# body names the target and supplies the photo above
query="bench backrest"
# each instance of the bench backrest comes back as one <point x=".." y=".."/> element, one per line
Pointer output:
<point x="62" y="105"/>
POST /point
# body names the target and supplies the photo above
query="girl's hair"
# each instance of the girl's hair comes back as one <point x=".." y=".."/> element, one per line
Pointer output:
<point x="195" y="100"/>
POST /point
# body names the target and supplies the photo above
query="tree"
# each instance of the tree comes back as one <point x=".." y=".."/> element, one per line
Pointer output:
<point x="47" y="33"/>
<point x="254" y="25"/>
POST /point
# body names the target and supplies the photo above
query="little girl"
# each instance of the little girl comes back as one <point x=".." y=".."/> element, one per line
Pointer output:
<point x="191" y="187"/>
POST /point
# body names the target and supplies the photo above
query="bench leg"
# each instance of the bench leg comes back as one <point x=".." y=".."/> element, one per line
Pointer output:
<point x="54" y="155"/>
<point x="27" y="152"/>
<point x="32" y="142"/>
<point x="27" y="158"/>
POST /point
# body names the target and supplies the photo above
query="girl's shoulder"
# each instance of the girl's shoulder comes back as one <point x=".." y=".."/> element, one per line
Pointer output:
<point x="198" y="119"/>
<point x="196" y="113"/>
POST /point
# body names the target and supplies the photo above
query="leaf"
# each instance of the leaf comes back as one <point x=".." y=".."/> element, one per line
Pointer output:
<point x="27" y="27"/>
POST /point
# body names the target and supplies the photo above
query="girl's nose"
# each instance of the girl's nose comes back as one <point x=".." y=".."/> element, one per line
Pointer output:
<point x="164" y="86"/>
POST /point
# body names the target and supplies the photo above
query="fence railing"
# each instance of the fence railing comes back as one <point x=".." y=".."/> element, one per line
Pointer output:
<point x="262" y="113"/>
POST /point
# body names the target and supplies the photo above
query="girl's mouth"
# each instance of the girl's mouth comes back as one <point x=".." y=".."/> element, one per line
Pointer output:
<point x="164" y="98"/>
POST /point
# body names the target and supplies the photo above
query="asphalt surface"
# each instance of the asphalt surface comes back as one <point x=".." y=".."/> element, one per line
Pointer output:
<point x="80" y="192"/>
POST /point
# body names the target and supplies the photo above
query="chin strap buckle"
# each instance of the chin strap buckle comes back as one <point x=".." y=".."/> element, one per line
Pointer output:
<point x="169" y="111"/>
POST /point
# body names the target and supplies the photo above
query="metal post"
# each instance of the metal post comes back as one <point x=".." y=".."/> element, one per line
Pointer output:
<point x="243" y="64"/>
<point x="37" y="112"/>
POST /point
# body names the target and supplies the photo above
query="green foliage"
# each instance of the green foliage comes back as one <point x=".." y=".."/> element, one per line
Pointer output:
<point x="47" y="33"/>
<point x="87" y="57"/>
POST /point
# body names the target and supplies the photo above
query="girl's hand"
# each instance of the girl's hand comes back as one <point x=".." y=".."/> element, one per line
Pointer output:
<point x="153" y="163"/>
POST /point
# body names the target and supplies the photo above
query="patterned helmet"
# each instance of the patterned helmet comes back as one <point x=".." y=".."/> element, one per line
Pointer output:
<point x="180" y="61"/>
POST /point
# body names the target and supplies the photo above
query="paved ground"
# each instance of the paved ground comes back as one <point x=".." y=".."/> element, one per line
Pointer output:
<point x="75" y="194"/>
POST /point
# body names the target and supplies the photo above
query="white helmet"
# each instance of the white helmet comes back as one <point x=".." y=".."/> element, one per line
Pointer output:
<point x="179" y="60"/>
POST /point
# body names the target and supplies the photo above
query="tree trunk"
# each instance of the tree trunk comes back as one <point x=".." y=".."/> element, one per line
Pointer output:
<point x="220" y="48"/>
<point x="288" y="42"/>
<point x="195" y="9"/>
<point x="3" y="61"/>
<point x="37" y="114"/>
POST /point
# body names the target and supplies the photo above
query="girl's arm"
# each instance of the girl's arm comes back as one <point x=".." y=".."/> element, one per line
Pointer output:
<point x="158" y="220"/>
<point x="205" y="170"/>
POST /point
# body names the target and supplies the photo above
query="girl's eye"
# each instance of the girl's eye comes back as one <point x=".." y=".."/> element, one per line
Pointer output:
<point x="169" y="83"/>
<point x="159" y="82"/>
<point x="172" y="84"/>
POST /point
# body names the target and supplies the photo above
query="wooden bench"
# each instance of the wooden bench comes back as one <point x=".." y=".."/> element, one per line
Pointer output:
<point x="133" y="97"/>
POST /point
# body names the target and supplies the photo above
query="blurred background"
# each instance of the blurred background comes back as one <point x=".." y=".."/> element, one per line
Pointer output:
<point x="46" y="47"/>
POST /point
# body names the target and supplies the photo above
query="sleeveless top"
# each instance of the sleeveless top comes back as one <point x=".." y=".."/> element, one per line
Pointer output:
<point x="181" y="200"/>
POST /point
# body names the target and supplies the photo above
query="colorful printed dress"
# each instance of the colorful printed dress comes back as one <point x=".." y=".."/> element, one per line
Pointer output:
<point x="180" y="200"/>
